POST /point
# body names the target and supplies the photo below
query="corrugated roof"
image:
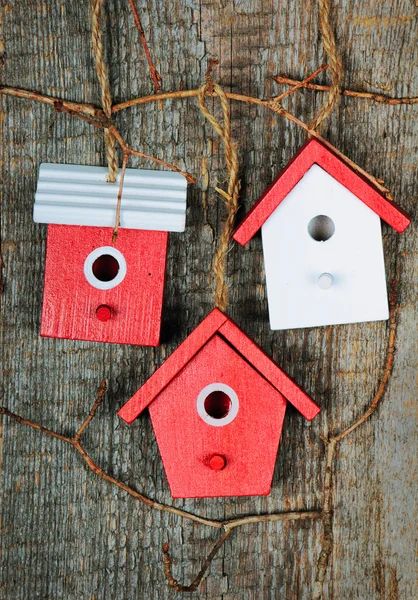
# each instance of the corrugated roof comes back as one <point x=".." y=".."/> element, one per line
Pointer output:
<point x="80" y="195"/>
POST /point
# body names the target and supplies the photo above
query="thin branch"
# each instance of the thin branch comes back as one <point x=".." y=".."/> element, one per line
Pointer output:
<point x="327" y="537"/>
<point x="22" y="421"/>
<point x="386" y="373"/>
<point x="100" y="120"/>
<point x="75" y="441"/>
<point x="173" y="583"/>
<point x="299" y="84"/>
<point x="119" y="201"/>
<point x="159" y="161"/>
<point x="270" y="103"/>
<point x="331" y="444"/>
<point x="87" y="109"/>
<point x="287" y="516"/>
<point x="285" y="113"/>
<point x="93" y="116"/>
<point x="156" y="77"/>
<point x="100" y="394"/>
<point x="228" y="526"/>
<point x="156" y="98"/>
<point x="382" y="98"/>
<point x="212" y="63"/>
<point x="127" y="150"/>
<point x="273" y="105"/>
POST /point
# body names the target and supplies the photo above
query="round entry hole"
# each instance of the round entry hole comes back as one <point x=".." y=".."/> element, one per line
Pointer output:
<point x="105" y="267"/>
<point x="217" y="404"/>
<point x="321" y="228"/>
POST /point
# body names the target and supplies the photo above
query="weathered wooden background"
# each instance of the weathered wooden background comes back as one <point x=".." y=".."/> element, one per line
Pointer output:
<point x="66" y="534"/>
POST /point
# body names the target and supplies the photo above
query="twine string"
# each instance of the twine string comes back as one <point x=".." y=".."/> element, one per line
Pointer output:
<point x="231" y="195"/>
<point x="97" y="43"/>
<point x="334" y="62"/>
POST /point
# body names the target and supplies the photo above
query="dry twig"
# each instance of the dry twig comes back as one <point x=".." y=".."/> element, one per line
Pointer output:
<point x="331" y="445"/>
<point x="299" y="84"/>
<point x="390" y="354"/>
<point x="173" y="583"/>
<point x="75" y="107"/>
<point x="75" y="442"/>
<point x="99" y="399"/>
<point x="327" y="536"/>
<point x="315" y="87"/>
<point x="228" y="525"/>
<point x="156" y="77"/>
<point x="271" y="103"/>
<point x="285" y="113"/>
<point x="93" y="116"/>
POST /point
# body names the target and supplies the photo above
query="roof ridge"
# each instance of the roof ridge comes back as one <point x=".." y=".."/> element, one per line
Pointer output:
<point x="315" y="152"/>
<point x="217" y="323"/>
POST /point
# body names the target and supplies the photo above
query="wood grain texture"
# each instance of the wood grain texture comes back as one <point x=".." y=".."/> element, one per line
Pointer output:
<point x="249" y="442"/>
<point x="73" y="293"/>
<point x="217" y="322"/>
<point x="65" y="534"/>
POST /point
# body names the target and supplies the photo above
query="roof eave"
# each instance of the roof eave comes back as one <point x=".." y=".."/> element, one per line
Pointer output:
<point x="315" y="152"/>
<point x="217" y="323"/>
<point x="161" y="378"/>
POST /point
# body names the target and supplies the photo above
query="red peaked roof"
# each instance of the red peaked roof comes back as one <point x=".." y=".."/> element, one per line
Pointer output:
<point x="218" y="323"/>
<point x="314" y="152"/>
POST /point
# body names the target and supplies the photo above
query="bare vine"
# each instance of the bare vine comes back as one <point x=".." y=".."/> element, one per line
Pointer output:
<point x="315" y="87"/>
<point x="84" y="111"/>
<point x="227" y="526"/>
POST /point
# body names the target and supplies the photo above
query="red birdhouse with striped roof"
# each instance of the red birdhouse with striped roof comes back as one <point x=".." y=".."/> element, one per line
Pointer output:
<point x="97" y="289"/>
<point x="217" y="406"/>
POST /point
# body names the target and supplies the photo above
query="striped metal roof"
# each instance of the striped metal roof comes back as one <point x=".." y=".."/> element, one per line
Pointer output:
<point x="81" y="195"/>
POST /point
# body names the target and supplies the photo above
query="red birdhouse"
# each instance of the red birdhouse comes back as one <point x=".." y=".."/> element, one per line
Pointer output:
<point x="217" y="406"/>
<point x="95" y="289"/>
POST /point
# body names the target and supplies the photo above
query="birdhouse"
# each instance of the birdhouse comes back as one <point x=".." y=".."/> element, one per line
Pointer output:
<point x="94" y="289"/>
<point x="322" y="242"/>
<point x="217" y="406"/>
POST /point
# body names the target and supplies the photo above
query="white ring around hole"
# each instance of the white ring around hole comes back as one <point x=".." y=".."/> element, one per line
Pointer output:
<point x="88" y="268"/>
<point x="217" y="387"/>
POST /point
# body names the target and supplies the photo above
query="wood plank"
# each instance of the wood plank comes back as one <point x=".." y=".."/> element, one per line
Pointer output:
<point x="133" y="291"/>
<point x="65" y="533"/>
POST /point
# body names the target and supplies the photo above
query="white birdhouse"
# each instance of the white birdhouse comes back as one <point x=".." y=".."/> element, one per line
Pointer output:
<point x="322" y="242"/>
